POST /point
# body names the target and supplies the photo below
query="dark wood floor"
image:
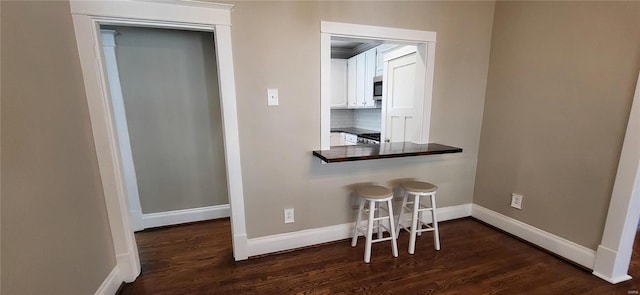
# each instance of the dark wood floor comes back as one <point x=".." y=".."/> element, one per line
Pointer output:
<point x="475" y="259"/>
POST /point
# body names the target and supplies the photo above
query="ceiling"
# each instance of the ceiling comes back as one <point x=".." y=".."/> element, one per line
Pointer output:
<point x="348" y="48"/>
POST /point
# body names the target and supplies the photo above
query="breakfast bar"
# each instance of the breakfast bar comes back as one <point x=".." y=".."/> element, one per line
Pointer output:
<point x="382" y="151"/>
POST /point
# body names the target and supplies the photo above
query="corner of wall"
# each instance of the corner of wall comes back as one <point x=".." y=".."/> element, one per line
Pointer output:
<point x="111" y="283"/>
<point x="555" y="244"/>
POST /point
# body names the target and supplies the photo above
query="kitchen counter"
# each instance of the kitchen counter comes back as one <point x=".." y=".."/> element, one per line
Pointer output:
<point x="354" y="130"/>
<point x="382" y="151"/>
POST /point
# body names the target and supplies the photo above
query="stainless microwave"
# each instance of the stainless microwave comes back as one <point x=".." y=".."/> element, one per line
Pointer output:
<point x="377" y="88"/>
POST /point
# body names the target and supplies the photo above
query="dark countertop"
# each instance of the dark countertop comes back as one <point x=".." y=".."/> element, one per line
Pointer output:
<point x="353" y="130"/>
<point x="382" y="151"/>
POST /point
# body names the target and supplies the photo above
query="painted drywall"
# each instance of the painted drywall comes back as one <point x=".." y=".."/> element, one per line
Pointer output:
<point x="170" y="89"/>
<point x="55" y="232"/>
<point x="561" y="82"/>
<point x="0" y="150"/>
<point x="277" y="45"/>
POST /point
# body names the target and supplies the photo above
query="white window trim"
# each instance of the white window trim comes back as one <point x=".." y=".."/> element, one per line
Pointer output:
<point x="425" y="41"/>
<point x="188" y="15"/>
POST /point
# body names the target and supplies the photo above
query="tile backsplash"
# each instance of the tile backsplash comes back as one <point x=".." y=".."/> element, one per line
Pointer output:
<point x="341" y="118"/>
<point x="360" y="118"/>
<point x="368" y="119"/>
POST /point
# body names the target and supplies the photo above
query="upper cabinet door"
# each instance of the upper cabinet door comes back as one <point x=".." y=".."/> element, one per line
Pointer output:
<point x="360" y="79"/>
<point x="360" y="72"/>
<point x="369" y="73"/>
<point x="338" y="83"/>
<point x="380" y="51"/>
<point x="352" y="66"/>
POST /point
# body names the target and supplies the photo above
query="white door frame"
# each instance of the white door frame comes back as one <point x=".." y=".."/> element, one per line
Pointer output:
<point x="185" y="15"/>
<point x="614" y="252"/>
<point x="426" y="48"/>
<point x="122" y="130"/>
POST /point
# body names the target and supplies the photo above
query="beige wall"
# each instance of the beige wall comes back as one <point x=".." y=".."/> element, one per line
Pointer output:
<point x="55" y="232"/>
<point x="277" y="45"/>
<point x="560" y="86"/>
<point x="170" y="88"/>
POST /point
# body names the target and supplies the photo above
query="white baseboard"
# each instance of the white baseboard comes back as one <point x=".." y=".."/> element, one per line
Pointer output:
<point x="560" y="246"/>
<point x="298" y="239"/>
<point x="111" y="284"/>
<point x="187" y="215"/>
<point x="452" y="212"/>
<point x="303" y="238"/>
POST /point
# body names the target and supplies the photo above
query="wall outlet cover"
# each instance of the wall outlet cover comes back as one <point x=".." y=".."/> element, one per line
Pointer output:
<point x="289" y="216"/>
<point x="516" y="201"/>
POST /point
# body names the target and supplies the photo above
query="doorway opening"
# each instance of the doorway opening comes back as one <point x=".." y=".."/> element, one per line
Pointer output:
<point x="88" y="16"/>
<point x="166" y="107"/>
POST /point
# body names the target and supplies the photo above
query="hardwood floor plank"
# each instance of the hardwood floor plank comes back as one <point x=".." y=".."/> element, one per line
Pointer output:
<point x="474" y="259"/>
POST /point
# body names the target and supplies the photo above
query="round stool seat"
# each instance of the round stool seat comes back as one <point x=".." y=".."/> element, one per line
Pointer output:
<point x="374" y="192"/>
<point x="419" y="186"/>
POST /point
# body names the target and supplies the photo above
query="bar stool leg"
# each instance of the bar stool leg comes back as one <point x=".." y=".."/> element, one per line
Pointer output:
<point x="436" y="234"/>
<point x="354" y="240"/>
<point x="367" y="248"/>
<point x="420" y="221"/>
<point x="414" y="224"/>
<point x="378" y="214"/>
<point x="401" y="214"/>
<point x="392" y="229"/>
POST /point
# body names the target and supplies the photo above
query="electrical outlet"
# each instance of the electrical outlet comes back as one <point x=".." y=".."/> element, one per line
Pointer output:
<point x="516" y="201"/>
<point x="288" y="215"/>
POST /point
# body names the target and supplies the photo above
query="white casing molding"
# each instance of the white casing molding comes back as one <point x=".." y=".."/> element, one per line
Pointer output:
<point x="374" y="32"/>
<point x="555" y="244"/>
<point x="614" y="252"/>
<point x="122" y="130"/>
<point x="186" y="215"/>
<point x="188" y="15"/>
<point x="161" y="12"/>
<point x="110" y="284"/>
<point x="309" y="237"/>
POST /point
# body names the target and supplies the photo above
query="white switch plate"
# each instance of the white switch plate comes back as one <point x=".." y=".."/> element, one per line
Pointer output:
<point x="272" y="97"/>
<point x="288" y="215"/>
<point x="516" y="201"/>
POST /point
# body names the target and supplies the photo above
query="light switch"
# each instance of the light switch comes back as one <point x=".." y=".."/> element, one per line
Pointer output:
<point x="272" y="97"/>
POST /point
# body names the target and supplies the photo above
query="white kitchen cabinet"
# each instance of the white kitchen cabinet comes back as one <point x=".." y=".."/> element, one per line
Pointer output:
<point x="337" y="139"/>
<point x="338" y="83"/>
<point x="380" y="51"/>
<point x="360" y="73"/>
<point x="369" y="73"/>
<point x="342" y="138"/>
<point x="352" y="66"/>
<point x="350" y="139"/>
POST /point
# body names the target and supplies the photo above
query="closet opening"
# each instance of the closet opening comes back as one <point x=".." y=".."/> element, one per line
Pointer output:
<point x="165" y="101"/>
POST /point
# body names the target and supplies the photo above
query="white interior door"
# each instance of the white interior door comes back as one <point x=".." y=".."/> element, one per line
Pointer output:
<point x="401" y="118"/>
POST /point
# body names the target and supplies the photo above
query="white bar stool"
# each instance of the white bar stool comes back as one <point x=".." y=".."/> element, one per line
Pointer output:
<point x="375" y="195"/>
<point x="419" y="189"/>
